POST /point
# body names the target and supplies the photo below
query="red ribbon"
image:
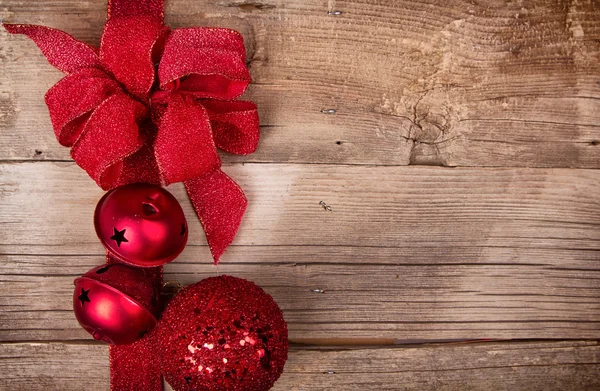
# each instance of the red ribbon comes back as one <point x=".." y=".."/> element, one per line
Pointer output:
<point x="152" y="105"/>
<point x="135" y="367"/>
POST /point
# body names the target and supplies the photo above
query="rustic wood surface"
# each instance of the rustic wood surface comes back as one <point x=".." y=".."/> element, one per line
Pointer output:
<point x="544" y="366"/>
<point x="499" y="238"/>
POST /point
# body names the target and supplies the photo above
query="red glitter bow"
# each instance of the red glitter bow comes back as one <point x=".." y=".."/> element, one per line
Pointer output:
<point x="152" y="104"/>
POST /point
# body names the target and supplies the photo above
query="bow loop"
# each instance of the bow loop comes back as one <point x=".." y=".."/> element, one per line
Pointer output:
<point x="110" y="135"/>
<point x="72" y="100"/>
<point x="128" y="49"/>
<point x="214" y="65"/>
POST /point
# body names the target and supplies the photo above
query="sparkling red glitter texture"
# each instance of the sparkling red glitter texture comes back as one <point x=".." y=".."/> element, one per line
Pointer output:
<point x="185" y="123"/>
<point x="134" y="367"/>
<point x="223" y="333"/>
<point x="61" y="49"/>
<point x="152" y="105"/>
<point x="153" y="8"/>
<point x="217" y="216"/>
<point x="133" y="282"/>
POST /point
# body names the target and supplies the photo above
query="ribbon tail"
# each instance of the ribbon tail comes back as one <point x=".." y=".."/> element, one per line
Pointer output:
<point x="74" y="98"/>
<point x="220" y="205"/>
<point x="109" y="136"/>
<point x="135" y="367"/>
<point x="61" y="49"/>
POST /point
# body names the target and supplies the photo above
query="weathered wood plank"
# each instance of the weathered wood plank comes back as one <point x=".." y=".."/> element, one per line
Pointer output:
<point x="407" y="254"/>
<point x="499" y="366"/>
<point x="45" y="259"/>
<point x="51" y="204"/>
<point x="403" y="302"/>
<point x="414" y="82"/>
<point x="425" y="253"/>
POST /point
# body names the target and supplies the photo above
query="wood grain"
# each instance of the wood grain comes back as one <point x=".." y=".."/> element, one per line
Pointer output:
<point x="372" y="206"/>
<point x="406" y="253"/>
<point x="403" y="302"/>
<point x="504" y="246"/>
<point x="453" y="83"/>
<point x="546" y="366"/>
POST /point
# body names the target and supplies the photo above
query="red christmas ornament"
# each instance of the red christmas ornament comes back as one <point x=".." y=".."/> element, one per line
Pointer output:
<point x="115" y="303"/>
<point x="153" y="104"/>
<point x="223" y="333"/>
<point x="141" y="224"/>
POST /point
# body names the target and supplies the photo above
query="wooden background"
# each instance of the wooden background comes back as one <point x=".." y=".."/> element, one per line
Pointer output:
<point x="461" y="164"/>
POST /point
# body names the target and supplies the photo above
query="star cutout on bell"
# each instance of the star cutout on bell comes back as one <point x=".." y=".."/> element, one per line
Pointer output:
<point x="122" y="305"/>
<point x="83" y="297"/>
<point x="119" y="236"/>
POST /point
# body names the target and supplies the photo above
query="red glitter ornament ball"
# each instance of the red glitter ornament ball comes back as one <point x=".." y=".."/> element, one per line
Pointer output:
<point x="222" y="333"/>
<point x="141" y="224"/>
<point x="116" y="303"/>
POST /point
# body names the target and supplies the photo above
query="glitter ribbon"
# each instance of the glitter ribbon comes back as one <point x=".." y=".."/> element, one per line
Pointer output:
<point x="153" y="105"/>
<point x="134" y="367"/>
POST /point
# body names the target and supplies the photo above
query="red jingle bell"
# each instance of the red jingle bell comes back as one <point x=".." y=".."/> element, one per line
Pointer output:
<point x="223" y="333"/>
<point x="141" y="224"/>
<point x="116" y="303"/>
